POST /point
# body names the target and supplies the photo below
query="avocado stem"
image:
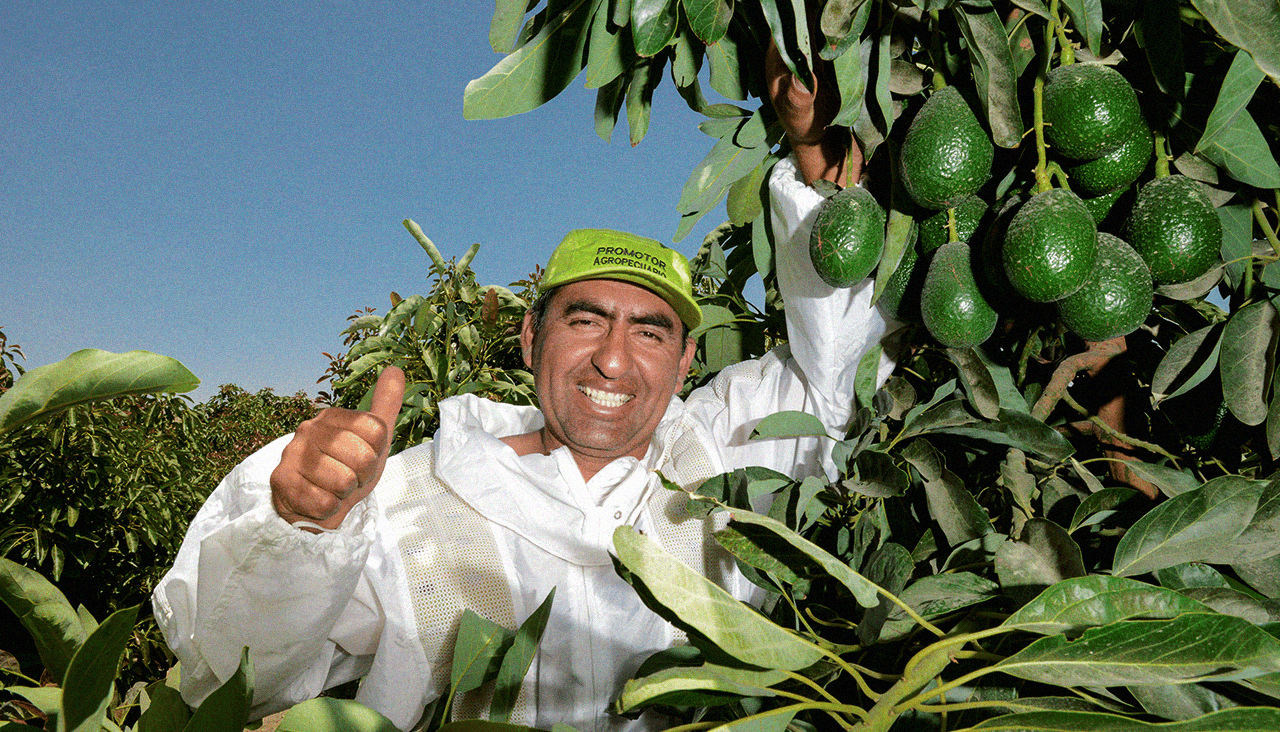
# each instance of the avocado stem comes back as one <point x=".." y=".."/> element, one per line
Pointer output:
<point x="1162" y="154"/>
<point x="1261" y="217"/>
<point x="1042" y="157"/>
<point x="1068" y="55"/>
<point x="935" y="50"/>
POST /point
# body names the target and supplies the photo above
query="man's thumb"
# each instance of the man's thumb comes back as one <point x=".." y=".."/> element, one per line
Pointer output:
<point x="388" y="396"/>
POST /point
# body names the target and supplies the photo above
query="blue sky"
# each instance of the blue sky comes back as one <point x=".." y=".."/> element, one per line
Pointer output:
<point x="223" y="182"/>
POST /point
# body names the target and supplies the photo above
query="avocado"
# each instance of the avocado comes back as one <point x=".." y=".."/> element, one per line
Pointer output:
<point x="951" y="304"/>
<point x="946" y="154"/>
<point x="1175" y="229"/>
<point x="1116" y="168"/>
<point x="969" y="215"/>
<point x="1050" y="246"/>
<point x="1089" y="109"/>
<point x="848" y="237"/>
<point x="1115" y="299"/>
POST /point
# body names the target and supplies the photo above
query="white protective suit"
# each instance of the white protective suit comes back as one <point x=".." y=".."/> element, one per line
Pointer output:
<point x="463" y="522"/>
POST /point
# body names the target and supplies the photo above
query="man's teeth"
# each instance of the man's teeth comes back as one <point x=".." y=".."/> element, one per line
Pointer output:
<point x="605" y="398"/>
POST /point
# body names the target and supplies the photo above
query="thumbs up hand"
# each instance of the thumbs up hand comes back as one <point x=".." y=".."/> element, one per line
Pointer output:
<point x="336" y="458"/>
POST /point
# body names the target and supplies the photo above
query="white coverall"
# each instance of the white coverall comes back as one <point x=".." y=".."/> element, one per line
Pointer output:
<point x="462" y="521"/>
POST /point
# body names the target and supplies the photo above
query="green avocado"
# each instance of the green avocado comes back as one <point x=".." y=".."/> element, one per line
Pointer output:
<point x="946" y="154"/>
<point x="848" y="237"/>
<point x="1050" y="246"/>
<point x="969" y="215"/>
<point x="1175" y="229"/>
<point x="1115" y="299"/>
<point x="1116" y="168"/>
<point x="951" y="303"/>
<point x="1088" y="110"/>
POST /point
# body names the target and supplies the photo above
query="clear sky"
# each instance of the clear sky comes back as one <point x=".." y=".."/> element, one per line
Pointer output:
<point x="223" y="182"/>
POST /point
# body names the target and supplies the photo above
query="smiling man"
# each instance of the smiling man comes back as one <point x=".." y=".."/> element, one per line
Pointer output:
<point x="332" y="562"/>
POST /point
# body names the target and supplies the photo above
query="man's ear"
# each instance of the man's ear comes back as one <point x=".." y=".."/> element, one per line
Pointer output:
<point x="526" y="339"/>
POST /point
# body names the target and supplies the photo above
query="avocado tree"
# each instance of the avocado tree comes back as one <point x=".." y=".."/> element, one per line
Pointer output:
<point x="1061" y="510"/>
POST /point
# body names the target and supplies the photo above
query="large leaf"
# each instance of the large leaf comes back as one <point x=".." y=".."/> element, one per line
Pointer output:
<point x="978" y="382"/>
<point x="1253" y="25"/>
<point x="1016" y="429"/>
<point x="950" y="503"/>
<point x="690" y="600"/>
<point x="890" y="567"/>
<point x="709" y="19"/>
<point x="515" y="664"/>
<point x="1043" y="555"/>
<point x="705" y="685"/>
<point x="1261" y="538"/>
<point x="505" y="23"/>
<point x="1246" y="359"/>
<point x="735" y="155"/>
<point x="1161" y="37"/>
<point x="1241" y="719"/>
<point x="1188" y="526"/>
<point x="1189" y="647"/>
<point x="789" y="424"/>
<point x="90" y="679"/>
<point x="166" y="711"/>
<point x="89" y="375"/>
<point x="227" y="708"/>
<point x="607" y="52"/>
<point x="1231" y="137"/>
<point x="44" y="611"/>
<point x="537" y="71"/>
<point x="1085" y="602"/>
<point x="1087" y="15"/>
<point x="478" y="651"/>
<point x="334" y="715"/>
<point x="653" y="25"/>
<point x="935" y="595"/>
<point x="1198" y="351"/>
<point x="993" y="70"/>
<point x="863" y="589"/>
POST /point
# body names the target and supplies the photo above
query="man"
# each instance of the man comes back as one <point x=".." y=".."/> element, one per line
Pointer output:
<point x="332" y="562"/>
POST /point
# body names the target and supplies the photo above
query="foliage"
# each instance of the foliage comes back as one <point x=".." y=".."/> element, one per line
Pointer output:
<point x="459" y="338"/>
<point x="7" y="370"/>
<point x="1055" y="534"/>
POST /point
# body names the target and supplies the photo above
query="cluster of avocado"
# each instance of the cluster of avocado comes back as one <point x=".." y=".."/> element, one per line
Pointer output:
<point x="1044" y="248"/>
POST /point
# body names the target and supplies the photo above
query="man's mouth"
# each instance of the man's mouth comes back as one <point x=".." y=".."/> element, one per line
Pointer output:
<point x="605" y="398"/>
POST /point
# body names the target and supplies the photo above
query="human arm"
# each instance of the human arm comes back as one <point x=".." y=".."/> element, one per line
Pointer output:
<point x="822" y="151"/>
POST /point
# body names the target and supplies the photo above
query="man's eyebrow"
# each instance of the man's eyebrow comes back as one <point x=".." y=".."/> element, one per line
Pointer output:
<point x="657" y="320"/>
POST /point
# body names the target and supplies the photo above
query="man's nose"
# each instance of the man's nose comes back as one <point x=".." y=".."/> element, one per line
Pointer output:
<point x="611" y="355"/>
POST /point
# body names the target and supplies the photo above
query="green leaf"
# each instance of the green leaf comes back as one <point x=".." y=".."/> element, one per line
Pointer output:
<point x="868" y="376"/>
<point x="227" y="708"/>
<point x="789" y="424"/>
<point x="537" y="71"/>
<point x="890" y="567"/>
<point x="607" y="52"/>
<point x="726" y="78"/>
<point x="608" y="103"/>
<point x="1199" y="350"/>
<point x="334" y="715"/>
<point x="1189" y="647"/>
<point x="1160" y="34"/>
<point x="90" y="375"/>
<point x="1084" y="602"/>
<point x="90" y="679"/>
<point x="842" y="22"/>
<point x="653" y="25"/>
<point x="1087" y="16"/>
<point x="852" y="68"/>
<point x="1043" y="555"/>
<point x="1170" y="481"/>
<point x="791" y="38"/>
<point x="484" y="725"/>
<point x="865" y="591"/>
<point x="1188" y="526"/>
<point x="697" y="605"/>
<point x="1273" y="425"/>
<point x="1231" y="137"/>
<point x="166" y="711"/>
<point x="1240" y="719"/>
<point x="1248" y="348"/>
<point x="993" y="70"/>
<point x="950" y="504"/>
<point x="1019" y="430"/>
<point x="1253" y="25"/>
<point x="515" y="663"/>
<point x="505" y="23"/>
<point x="732" y="157"/>
<point x="1237" y="241"/>
<point x="478" y="651"/>
<point x="709" y="19"/>
<point x="44" y="611"/>
<point x="935" y="595"/>
<point x="978" y="382"/>
<point x="1261" y="538"/>
<point x="1179" y="701"/>
<point x="1099" y="505"/>
<point x="697" y="686"/>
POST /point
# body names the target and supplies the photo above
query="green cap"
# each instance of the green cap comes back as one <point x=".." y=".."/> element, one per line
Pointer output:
<point x="593" y="254"/>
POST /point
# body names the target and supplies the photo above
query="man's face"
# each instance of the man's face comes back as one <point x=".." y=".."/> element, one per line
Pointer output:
<point x="606" y="360"/>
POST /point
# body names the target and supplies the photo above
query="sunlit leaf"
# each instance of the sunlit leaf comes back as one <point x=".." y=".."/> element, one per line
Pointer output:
<point x="1231" y="137"/>
<point x="935" y="595"/>
<point x="227" y="708"/>
<point x="534" y="73"/>
<point x="1189" y="647"/>
<point x="709" y="19"/>
<point x="653" y="25"/>
<point x="706" y="685"/>
<point x="607" y="52"/>
<point x="334" y="715"/>
<point x="693" y="602"/>
<point x="89" y="375"/>
<point x="89" y="683"/>
<point x="789" y="424"/>
<point x="1170" y="481"/>
<point x="44" y="611"/>
<point x="1240" y="719"/>
<point x="515" y="663"/>
<point x="1188" y="526"/>
<point x="1043" y="555"/>
<point x="1085" y="602"/>
<point x="477" y="652"/>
